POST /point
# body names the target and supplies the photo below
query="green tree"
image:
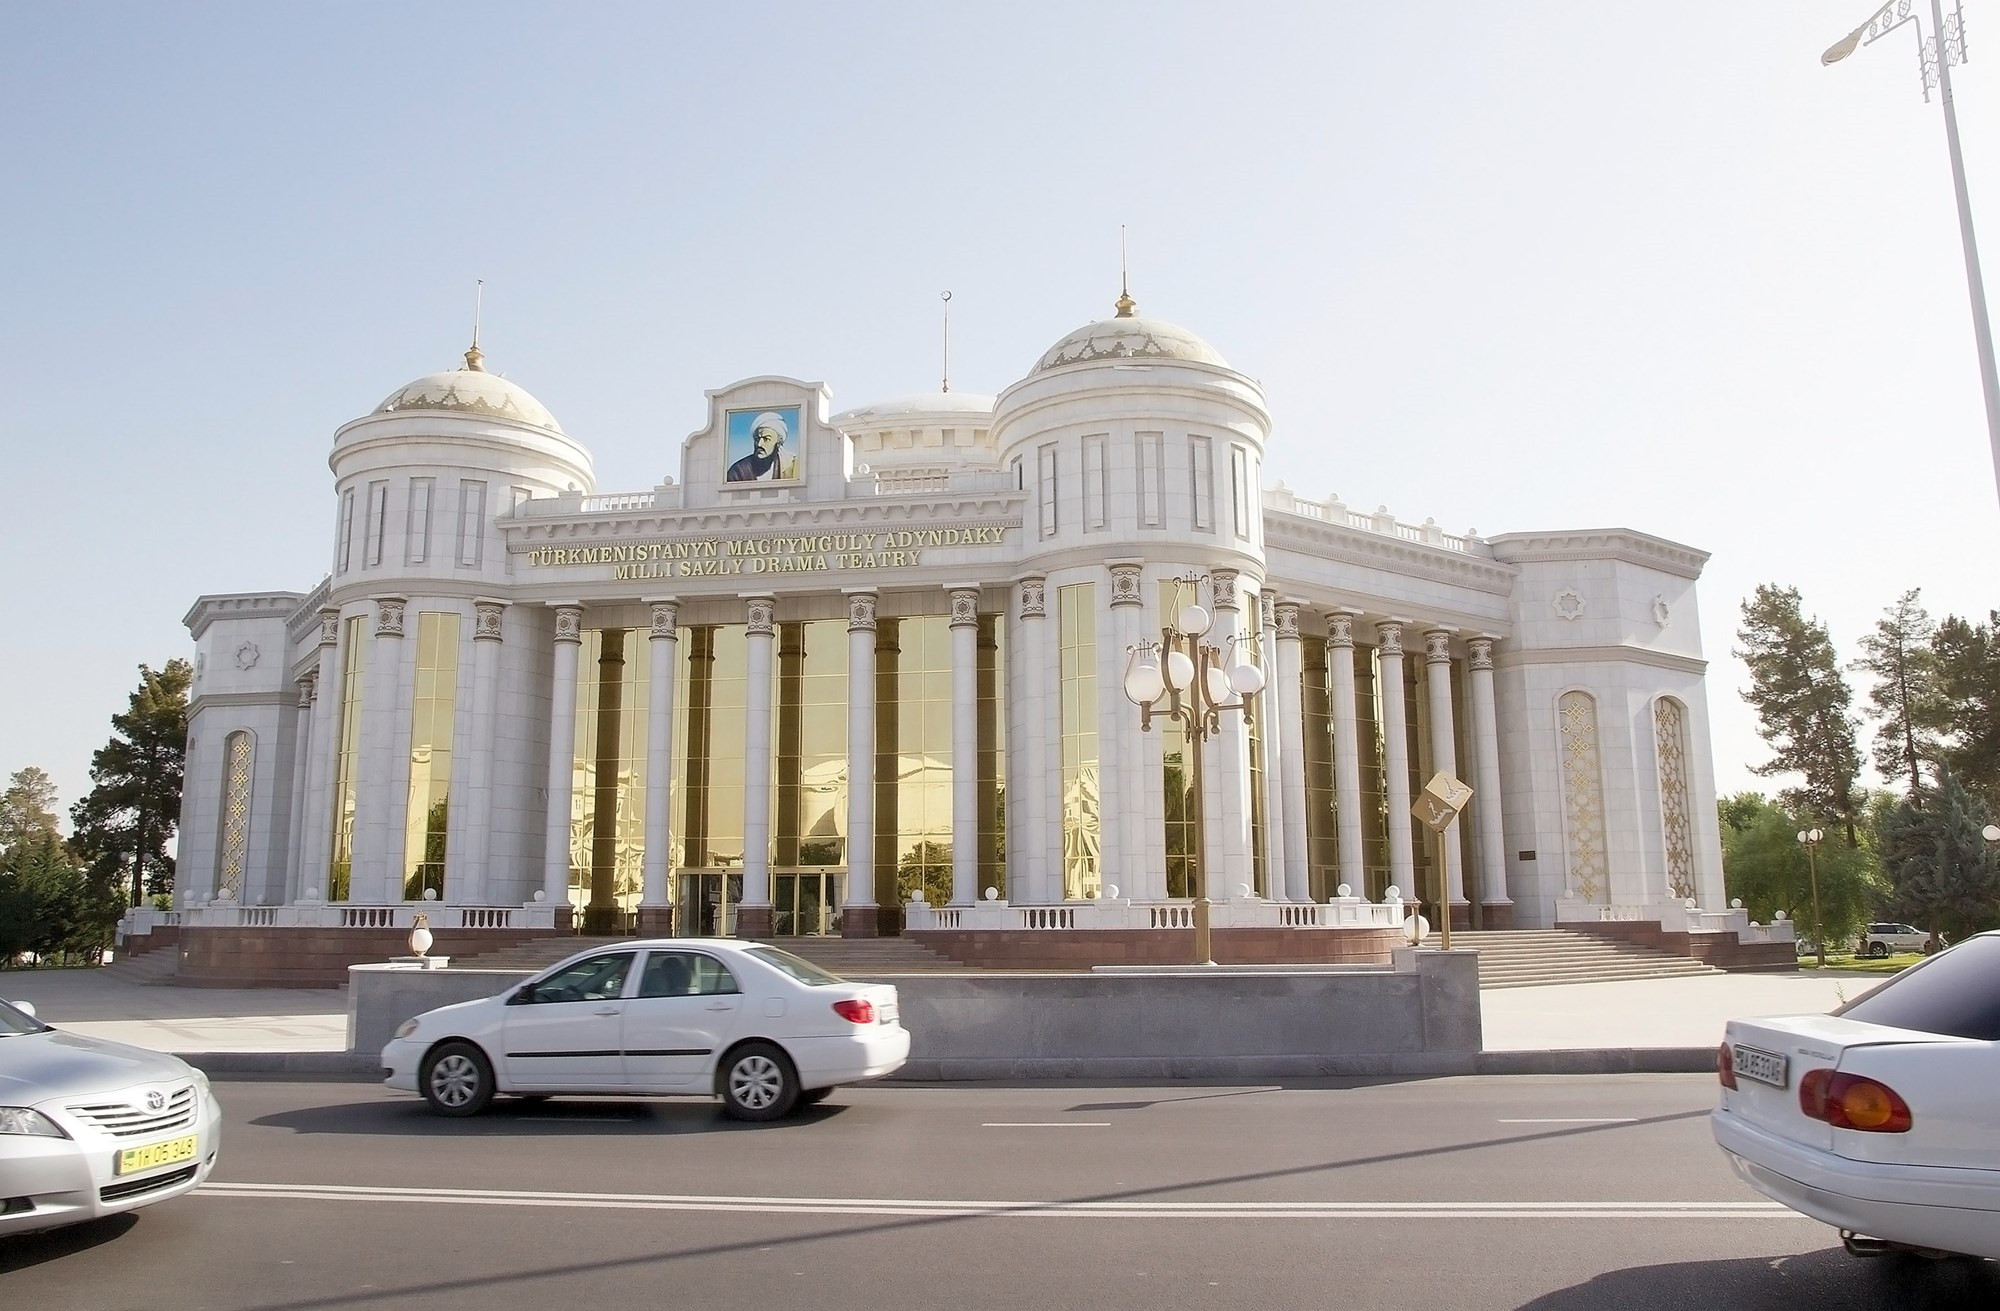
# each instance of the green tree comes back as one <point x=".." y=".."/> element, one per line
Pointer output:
<point x="1905" y="698"/>
<point x="1942" y="875"/>
<point x="65" y="917"/>
<point x="129" y="816"/>
<point x="1802" y="703"/>
<point x="1968" y="676"/>
<point x="1768" y="869"/>
<point x="27" y="808"/>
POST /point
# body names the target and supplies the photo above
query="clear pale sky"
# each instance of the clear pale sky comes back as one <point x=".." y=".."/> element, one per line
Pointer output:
<point x="1517" y="267"/>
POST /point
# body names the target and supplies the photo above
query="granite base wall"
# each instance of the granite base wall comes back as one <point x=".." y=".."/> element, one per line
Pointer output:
<point x="1724" y="951"/>
<point x="316" y="957"/>
<point x="1071" y="949"/>
<point x="1418" y="1016"/>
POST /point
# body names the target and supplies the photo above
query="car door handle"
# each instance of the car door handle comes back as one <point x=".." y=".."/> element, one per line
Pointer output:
<point x="722" y="1005"/>
<point x="605" y="1010"/>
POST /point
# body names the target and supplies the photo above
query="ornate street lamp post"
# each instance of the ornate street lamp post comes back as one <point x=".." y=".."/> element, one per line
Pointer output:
<point x="1200" y="681"/>
<point x="1809" y="838"/>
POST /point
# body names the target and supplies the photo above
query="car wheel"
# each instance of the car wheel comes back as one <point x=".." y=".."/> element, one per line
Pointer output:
<point x="1877" y="950"/>
<point x="456" y="1079"/>
<point x="758" y="1083"/>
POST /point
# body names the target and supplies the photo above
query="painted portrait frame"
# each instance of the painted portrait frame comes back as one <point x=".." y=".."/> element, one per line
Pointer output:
<point x="741" y="456"/>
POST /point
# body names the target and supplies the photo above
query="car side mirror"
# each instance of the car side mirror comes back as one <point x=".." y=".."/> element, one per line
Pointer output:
<point x="521" y="995"/>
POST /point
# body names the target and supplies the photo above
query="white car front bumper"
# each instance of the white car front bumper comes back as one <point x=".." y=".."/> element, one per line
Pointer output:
<point x="1956" y="1210"/>
<point x="399" y="1063"/>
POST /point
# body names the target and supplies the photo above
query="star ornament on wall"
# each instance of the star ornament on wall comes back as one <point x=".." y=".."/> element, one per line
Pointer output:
<point x="246" y="655"/>
<point x="1569" y="604"/>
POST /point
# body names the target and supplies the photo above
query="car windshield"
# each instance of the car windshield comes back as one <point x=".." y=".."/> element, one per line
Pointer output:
<point x="803" y="970"/>
<point x="14" y="1022"/>
<point x="1955" y="994"/>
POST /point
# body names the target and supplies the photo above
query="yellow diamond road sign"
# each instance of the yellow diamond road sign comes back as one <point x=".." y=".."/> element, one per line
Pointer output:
<point x="1441" y="800"/>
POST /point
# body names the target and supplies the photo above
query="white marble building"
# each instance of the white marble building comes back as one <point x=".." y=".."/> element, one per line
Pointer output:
<point x="843" y="656"/>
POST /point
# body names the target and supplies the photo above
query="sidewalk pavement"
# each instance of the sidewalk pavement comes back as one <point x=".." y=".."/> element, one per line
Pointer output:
<point x="1604" y="1025"/>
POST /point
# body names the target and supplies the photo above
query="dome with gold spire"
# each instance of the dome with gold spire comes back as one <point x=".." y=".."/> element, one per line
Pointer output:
<point x="471" y="390"/>
<point x="1127" y="336"/>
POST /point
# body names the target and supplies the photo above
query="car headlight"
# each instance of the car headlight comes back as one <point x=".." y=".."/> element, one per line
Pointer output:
<point x="407" y="1029"/>
<point x="21" y="1120"/>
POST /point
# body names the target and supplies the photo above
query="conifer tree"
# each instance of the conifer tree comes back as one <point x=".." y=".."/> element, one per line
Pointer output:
<point x="1968" y="678"/>
<point x="132" y="812"/>
<point x="1802" y="705"/>
<point x="1905" y="697"/>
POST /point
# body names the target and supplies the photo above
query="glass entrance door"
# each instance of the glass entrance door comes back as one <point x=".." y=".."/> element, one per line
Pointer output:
<point x="806" y="903"/>
<point x="707" y="903"/>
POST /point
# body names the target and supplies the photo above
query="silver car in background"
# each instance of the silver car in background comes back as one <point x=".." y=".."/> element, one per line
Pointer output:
<point x="90" y="1128"/>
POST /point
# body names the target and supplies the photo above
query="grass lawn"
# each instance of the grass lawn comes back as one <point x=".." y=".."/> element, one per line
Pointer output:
<point x="1848" y="963"/>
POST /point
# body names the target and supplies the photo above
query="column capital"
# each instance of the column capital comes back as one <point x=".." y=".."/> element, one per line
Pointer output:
<point x="329" y="625"/>
<point x="1340" y="628"/>
<point x="389" y="615"/>
<point x="486" y="613"/>
<point x="1034" y="597"/>
<point x="964" y="607"/>
<point x="861" y="612"/>
<point x="308" y="688"/>
<point x="1267" y="614"/>
<point x="569" y="621"/>
<point x="1285" y="616"/>
<point x="760" y="614"/>
<point x="1389" y="637"/>
<point x="1482" y="651"/>
<point x="666" y="614"/>
<point x="1437" y="645"/>
<point x="1222" y="588"/>
<point x="1124" y="585"/>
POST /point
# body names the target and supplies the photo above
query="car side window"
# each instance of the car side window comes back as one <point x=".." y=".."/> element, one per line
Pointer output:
<point x="711" y="976"/>
<point x="667" y="974"/>
<point x="595" y="978"/>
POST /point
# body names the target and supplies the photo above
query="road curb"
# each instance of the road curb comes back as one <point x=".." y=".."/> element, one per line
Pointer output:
<point x="1575" y="1060"/>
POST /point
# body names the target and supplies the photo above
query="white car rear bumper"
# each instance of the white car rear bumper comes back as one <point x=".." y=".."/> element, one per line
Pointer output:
<point x="1957" y="1210"/>
<point x="871" y="1052"/>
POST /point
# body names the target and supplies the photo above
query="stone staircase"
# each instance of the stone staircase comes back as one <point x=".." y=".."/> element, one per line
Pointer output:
<point x="156" y="967"/>
<point x="1527" y="958"/>
<point x="850" y="957"/>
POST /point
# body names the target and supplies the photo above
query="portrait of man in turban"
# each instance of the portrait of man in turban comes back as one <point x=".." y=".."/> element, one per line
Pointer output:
<point x="767" y="435"/>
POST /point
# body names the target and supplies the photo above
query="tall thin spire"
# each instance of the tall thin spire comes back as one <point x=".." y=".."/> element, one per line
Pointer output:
<point x="473" y="356"/>
<point x="946" y="297"/>
<point x="1125" y="302"/>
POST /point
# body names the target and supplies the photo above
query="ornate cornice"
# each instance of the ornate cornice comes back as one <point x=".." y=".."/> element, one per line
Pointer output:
<point x="986" y="510"/>
<point x="1590" y="655"/>
<point x="1320" y="540"/>
<point x="1621" y="544"/>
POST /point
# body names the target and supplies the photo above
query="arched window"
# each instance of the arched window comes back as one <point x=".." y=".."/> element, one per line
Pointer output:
<point x="1583" y="795"/>
<point x="1670" y="747"/>
<point x="239" y="756"/>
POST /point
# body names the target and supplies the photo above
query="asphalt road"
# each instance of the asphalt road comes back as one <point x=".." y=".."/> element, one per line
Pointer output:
<point x="1559" y="1194"/>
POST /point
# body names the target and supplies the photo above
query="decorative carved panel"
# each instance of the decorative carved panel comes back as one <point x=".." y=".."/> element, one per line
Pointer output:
<point x="1124" y="585"/>
<point x="1670" y="742"/>
<point x="239" y="756"/>
<point x="1583" y="794"/>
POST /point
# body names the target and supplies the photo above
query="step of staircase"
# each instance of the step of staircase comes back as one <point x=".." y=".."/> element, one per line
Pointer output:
<point x="150" y="967"/>
<point x="1530" y="958"/>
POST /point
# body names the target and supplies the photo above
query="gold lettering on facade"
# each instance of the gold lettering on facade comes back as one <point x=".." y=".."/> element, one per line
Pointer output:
<point x="709" y="557"/>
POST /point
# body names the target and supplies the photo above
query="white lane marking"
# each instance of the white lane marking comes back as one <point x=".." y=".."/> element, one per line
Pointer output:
<point x="1578" y="1119"/>
<point x="1048" y="1124"/>
<point x="943" y="1207"/>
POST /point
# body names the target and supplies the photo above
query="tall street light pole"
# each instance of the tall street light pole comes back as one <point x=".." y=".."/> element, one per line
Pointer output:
<point x="1935" y="56"/>
<point x="1809" y="838"/>
<point x="1199" y="687"/>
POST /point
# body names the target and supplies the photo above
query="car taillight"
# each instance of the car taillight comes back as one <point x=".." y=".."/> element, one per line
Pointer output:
<point x="857" y="1009"/>
<point x="1725" y="1065"/>
<point x="1848" y="1101"/>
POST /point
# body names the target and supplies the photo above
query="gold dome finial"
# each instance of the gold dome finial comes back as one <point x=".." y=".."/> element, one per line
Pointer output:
<point x="1124" y="303"/>
<point x="473" y="356"/>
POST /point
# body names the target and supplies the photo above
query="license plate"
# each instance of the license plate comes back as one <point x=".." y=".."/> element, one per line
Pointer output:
<point x="1762" y="1066"/>
<point x="153" y="1155"/>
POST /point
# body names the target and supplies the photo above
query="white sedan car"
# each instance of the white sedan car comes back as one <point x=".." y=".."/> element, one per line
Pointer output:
<point x="1879" y="1119"/>
<point x="756" y="1026"/>
<point x="90" y="1127"/>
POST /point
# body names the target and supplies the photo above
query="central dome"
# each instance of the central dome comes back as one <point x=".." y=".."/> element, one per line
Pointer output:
<point x="471" y="390"/>
<point x="1129" y="337"/>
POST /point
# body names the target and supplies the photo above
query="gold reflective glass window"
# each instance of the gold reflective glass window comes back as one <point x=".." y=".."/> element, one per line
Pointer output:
<point x="347" y="762"/>
<point x="432" y="712"/>
<point x="1081" y="868"/>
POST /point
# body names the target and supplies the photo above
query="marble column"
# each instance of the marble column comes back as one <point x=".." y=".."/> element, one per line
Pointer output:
<point x="1121" y="812"/>
<point x="861" y="916"/>
<point x="1283" y="695"/>
<point x="656" y="908"/>
<point x="1229" y="864"/>
<point x="1396" y="756"/>
<point x="1028" y="857"/>
<point x="1273" y="730"/>
<point x="562" y="760"/>
<point x="469" y="853"/>
<point x="1346" y="750"/>
<point x="1496" y="908"/>
<point x="378" y="841"/>
<point x="964" y="745"/>
<point x="316" y="837"/>
<point x="754" y="916"/>
<point x="302" y="725"/>
<point x="1444" y="760"/>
